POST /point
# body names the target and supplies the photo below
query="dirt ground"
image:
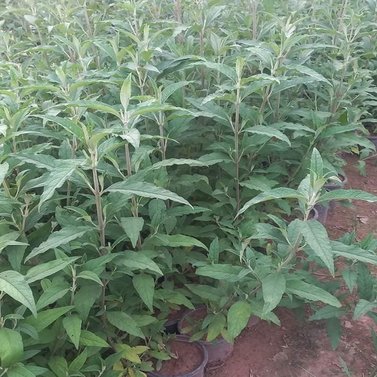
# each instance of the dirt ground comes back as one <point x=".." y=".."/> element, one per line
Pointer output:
<point x="298" y="349"/>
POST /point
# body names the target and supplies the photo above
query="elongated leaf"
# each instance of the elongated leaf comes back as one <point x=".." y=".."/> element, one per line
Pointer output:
<point x="19" y="370"/>
<point x="363" y="307"/>
<point x="51" y="295"/>
<point x="43" y="270"/>
<point x="59" y="365"/>
<point x="309" y="72"/>
<point x="179" y="240"/>
<point x="220" y="67"/>
<point x="78" y="362"/>
<point x="95" y="105"/>
<point x="132" y="136"/>
<point x="353" y="252"/>
<point x="176" y="161"/>
<point x="125" y="92"/>
<point x="3" y="171"/>
<point x="347" y="194"/>
<point x="225" y="272"/>
<point x="15" y="285"/>
<point x="132" y="226"/>
<point x="87" y="338"/>
<point x="69" y="125"/>
<point x="270" y="132"/>
<point x="144" y="285"/>
<point x="11" y="347"/>
<point x="327" y="312"/>
<point x="277" y="193"/>
<point x="124" y="322"/>
<point x="316" y="237"/>
<point x="311" y="292"/>
<point x="90" y="275"/>
<point x="170" y="89"/>
<point x="238" y="316"/>
<point x="334" y="331"/>
<point x="206" y="292"/>
<point x="9" y="239"/>
<point x="147" y="190"/>
<point x="316" y="164"/>
<point x="273" y="288"/>
<point x="139" y="261"/>
<point x="216" y="327"/>
<point x="72" y="326"/>
<point x="56" y="239"/>
<point x="47" y="317"/>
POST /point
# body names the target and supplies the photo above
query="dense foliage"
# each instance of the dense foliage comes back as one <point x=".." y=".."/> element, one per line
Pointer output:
<point x="165" y="154"/>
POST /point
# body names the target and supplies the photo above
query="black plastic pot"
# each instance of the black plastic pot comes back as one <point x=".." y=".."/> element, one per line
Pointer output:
<point x="322" y="213"/>
<point x="198" y="371"/>
<point x="218" y="350"/>
<point x="331" y="186"/>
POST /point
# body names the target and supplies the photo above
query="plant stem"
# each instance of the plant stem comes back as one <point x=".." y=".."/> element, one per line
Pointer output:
<point x="236" y="130"/>
<point x="98" y="201"/>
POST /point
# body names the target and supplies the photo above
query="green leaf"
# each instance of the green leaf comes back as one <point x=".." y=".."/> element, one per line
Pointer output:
<point x="139" y="261"/>
<point x="68" y="124"/>
<point x="327" y="312"/>
<point x="216" y="326"/>
<point x="43" y="270"/>
<point x="72" y="326"/>
<point x="353" y="252"/>
<point x="11" y="347"/>
<point x="90" y="275"/>
<point x="125" y="92"/>
<point x="238" y="316"/>
<point x="311" y="292"/>
<point x="179" y="240"/>
<point x="4" y="167"/>
<point x="59" y="366"/>
<point x="132" y="226"/>
<point x="220" y="67"/>
<point x="51" y="295"/>
<point x="273" y="288"/>
<point x="56" y="239"/>
<point x="78" y="362"/>
<point x="170" y="89"/>
<point x="129" y="353"/>
<point x="146" y="190"/>
<point x="176" y="161"/>
<point x="15" y="285"/>
<point x="350" y="278"/>
<point x="19" y="371"/>
<point x="89" y="339"/>
<point x="9" y="239"/>
<point x="47" y="317"/>
<point x="277" y="193"/>
<point x="270" y="132"/>
<point x="334" y="331"/>
<point x="363" y="307"/>
<point x="309" y="72"/>
<point x="124" y="322"/>
<point x="94" y="105"/>
<point x="316" y="237"/>
<point x="316" y="165"/>
<point x="225" y="272"/>
<point x="54" y="180"/>
<point x="144" y="285"/>
<point x="347" y="194"/>
<point x="205" y="292"/>
<point x="132" y="136"/>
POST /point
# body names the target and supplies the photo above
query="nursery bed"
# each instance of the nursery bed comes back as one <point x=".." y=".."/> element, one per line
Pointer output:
<point x="298" y="349"/>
